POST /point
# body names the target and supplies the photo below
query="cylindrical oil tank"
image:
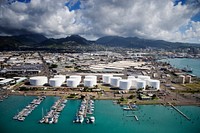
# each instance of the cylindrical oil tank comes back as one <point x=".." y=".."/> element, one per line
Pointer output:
<point x="181" y="79"/>
<point x="155" y="84"/>
<point x="134" y="82"/>
<point x="72" y="82"/>
<point x="188" y="79"/>
<point x="38" y="80"/>
<point x="124" y="84"/>
<point x="55" y="82"/>
<point x="106" y="78"/>
<point x="131" y="77"/>
<point x="114" y="81"/>
<point x="92" y="77"/>
<point x="143" y="77"/>
<point x="78" y="77"/>
<point x="140" y="84"/>
<point x="89" y="82"/>
<point x="62" y="77"/>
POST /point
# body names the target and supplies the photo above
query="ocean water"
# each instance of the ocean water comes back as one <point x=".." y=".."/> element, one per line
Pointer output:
<point x="110" y="118"/>
<point x="184" y="62"/>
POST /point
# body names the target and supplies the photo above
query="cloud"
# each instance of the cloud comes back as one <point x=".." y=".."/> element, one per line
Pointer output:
<point x="41" y="16"/>
<point x="150" y="19"/>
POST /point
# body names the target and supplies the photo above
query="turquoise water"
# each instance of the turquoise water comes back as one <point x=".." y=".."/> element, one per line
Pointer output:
<point x="110" y="118"/>
<point x="184" y="62"/>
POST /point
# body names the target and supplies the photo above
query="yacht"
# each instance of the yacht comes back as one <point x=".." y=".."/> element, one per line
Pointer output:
<point x="21" y="118"/>
<point x="81" y="119"/>
<point x="127" y="108"/>
<point x="92" y="119"/>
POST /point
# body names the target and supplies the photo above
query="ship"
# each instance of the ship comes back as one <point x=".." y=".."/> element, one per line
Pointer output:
<point x="187" y="69"/>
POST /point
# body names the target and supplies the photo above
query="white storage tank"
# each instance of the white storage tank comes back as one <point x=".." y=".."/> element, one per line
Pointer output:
<point x="106" y="78"/>
<point x="155" y="84"/>
<point x="89" y="82"/>
<point x="62" y="77"/>
<point x="131" y="77"/>
<point x="181" y="79"/>
<point x="143" y="77"/>
<point x="72" y="82"/>
<point x="188" y="79"/>
<point x="92" y="77"/>
<point x="114" y="81"/>
<point x="55" y="82"/>
<point x="124" y="84"/>
<point x="38" y="80"/>
<point x="134" y="82"/>
<point x="140" y="84"/>
<point x="77" y="77"/>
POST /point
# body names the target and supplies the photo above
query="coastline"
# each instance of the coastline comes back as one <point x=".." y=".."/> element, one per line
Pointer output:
<point x="139" y="102"/>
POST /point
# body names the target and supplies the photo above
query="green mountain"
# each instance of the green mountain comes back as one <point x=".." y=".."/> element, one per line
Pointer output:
<point x="134" y="42"/>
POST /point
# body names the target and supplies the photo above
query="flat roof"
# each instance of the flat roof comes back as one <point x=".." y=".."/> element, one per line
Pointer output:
<point x="6" y="80"/>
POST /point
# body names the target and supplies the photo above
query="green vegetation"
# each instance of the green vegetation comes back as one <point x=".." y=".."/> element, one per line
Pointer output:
<point x="122" y="100"/>
<point x="131" y="97"/>
<point x="72" y="96"/>
<point x="68" y="66"/>
<point x="195" y="85"/>
<point x="154" y="97"/>
<point x="53" y="66"/>
<point x="105" y="88"/>
<point x="23" y="89"/>
<point x="191" y="88"/>
<point x="86" y="89"/>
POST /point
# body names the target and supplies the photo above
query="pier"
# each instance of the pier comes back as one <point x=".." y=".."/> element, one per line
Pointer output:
<point x="28" y="109"/>
<point x="184" y="115"/>
<point x="54" y="113"/>
<point x="136" y="117"/>
<point x="86" y="108"/>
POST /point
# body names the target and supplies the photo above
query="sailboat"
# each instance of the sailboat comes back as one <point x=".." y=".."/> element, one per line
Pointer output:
<point x="43" y="119"/>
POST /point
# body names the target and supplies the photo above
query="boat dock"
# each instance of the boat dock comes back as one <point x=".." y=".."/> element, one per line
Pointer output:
<point x="136" y="117"/>
<point x="184" y="115"/>
<point x="28" y="109"/>
<point x="86" y="108"/>
<point x="54" y="113"/>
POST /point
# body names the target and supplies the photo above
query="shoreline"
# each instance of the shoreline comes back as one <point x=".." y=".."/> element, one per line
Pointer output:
<point x="146" y="102"/>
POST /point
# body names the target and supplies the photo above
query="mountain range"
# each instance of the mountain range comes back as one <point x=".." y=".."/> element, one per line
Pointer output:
<point x="37" y="41"/>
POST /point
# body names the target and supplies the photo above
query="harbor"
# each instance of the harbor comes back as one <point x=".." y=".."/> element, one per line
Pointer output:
<point x="54" y="113"/>
<point x="107" y="114"/>
<point x="85" y="112"/>
<point x="21" y="116"/>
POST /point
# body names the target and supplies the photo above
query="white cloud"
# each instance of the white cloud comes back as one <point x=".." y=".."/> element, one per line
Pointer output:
<point x="153" y="19"/>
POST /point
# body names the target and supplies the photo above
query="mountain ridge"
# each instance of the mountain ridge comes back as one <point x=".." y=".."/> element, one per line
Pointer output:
<point x="40" y="41"/>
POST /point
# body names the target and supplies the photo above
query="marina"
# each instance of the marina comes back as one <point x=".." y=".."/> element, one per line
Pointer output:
<point x="151" y="118"/>
<point x="54" y="113"/>
<point x="21" y="116"/>
<point x="85" y="111"/>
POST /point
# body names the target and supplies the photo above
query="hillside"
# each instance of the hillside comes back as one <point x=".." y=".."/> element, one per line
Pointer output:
<point x="134" y="42"/>
<point x="76" y="42"/>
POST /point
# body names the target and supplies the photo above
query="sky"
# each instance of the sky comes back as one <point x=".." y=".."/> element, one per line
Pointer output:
<point x="170" y="20"/>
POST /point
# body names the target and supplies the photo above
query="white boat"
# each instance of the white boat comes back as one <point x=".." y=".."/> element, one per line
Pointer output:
<point x="92" y="119"/>
<point x="81" y="119"/>
<point x="126" y="108"/>
<point x="51" y="120"/>
<point x="65" y="101"/>
<point x="21" y="118"/>
<point x="15" y="117"/>
<point x="55" y="120"/>
<point x="42" y="120"/>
